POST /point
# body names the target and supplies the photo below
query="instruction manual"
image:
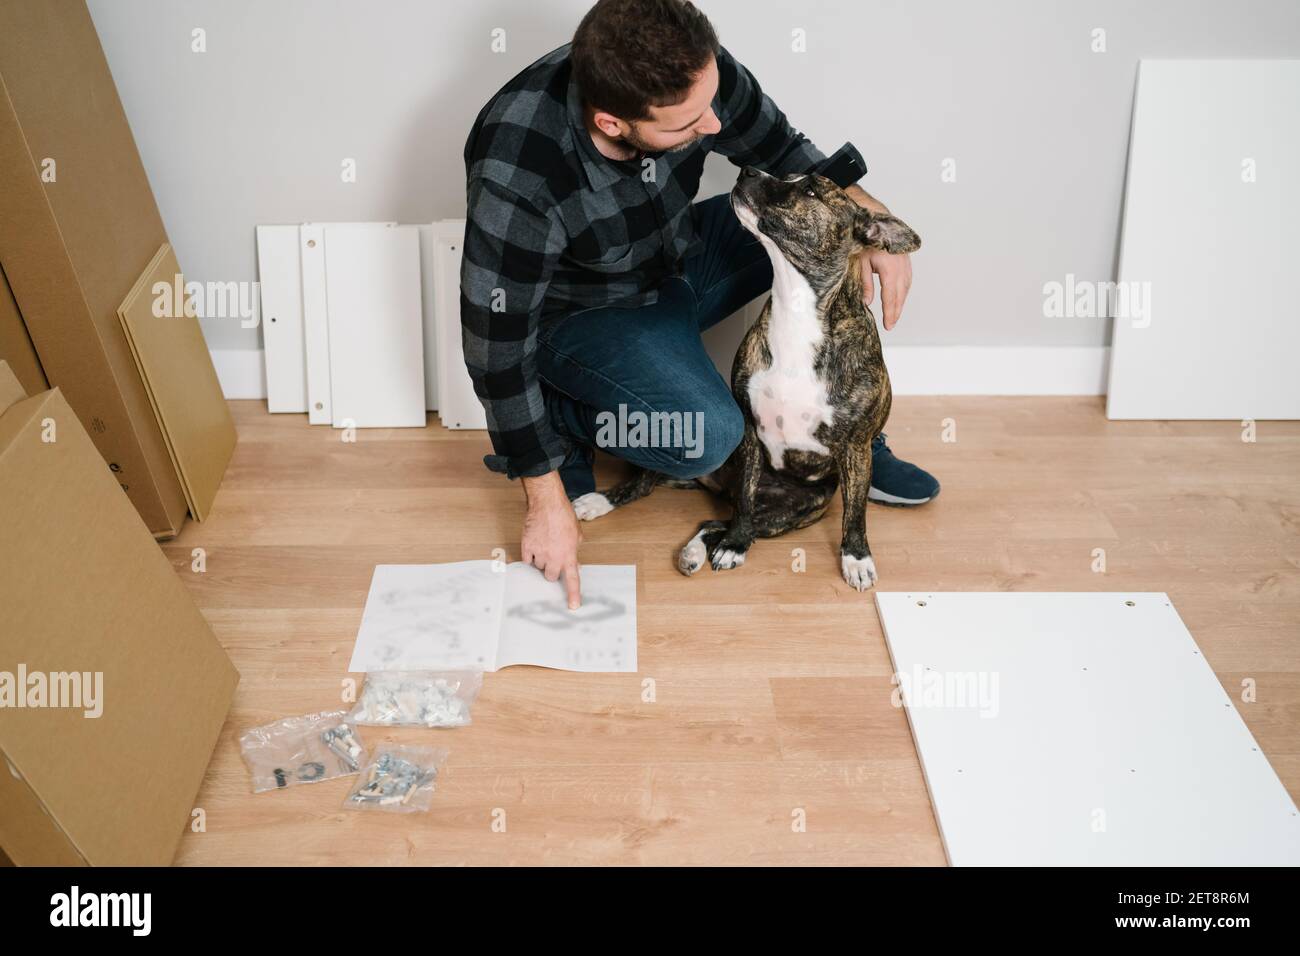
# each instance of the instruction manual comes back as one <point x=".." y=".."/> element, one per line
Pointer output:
<point x="485" y="615"/>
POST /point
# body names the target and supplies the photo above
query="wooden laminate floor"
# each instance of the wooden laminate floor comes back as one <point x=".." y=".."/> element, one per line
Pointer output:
<point x="763" y="697"/>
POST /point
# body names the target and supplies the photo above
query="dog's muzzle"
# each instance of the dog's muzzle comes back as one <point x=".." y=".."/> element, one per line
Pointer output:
<point x="748" y="188"/>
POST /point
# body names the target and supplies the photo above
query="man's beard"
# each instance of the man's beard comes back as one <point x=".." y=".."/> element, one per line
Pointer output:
<point x="636" y="142"/>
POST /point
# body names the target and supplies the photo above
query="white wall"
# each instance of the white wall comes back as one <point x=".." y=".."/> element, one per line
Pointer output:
<point x="255" y="129"/>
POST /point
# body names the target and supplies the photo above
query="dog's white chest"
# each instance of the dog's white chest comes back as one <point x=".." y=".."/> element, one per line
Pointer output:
<point x="788" y="401"/>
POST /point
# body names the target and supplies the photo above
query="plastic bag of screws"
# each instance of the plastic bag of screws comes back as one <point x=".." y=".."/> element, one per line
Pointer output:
<point x="306" y="749"/>
<point x="399" y="780"/>
<point x="417" y="698"/>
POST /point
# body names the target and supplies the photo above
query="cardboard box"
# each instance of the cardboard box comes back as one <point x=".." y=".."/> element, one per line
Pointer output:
<point x="79" y="226"/>
<point x="172" y="358"/>
<point x="85" y="589"/>
<point x="16" y="345"/>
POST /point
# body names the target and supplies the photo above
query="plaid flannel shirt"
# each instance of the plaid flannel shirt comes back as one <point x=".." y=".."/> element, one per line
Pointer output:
<point x="554" y="226"/>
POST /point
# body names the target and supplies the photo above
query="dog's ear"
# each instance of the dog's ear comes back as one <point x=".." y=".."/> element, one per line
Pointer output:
<point x="884" y="232"/>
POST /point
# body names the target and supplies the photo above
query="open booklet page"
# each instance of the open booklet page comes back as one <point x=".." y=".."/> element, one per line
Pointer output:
<point x="537" y="626"/>
<point x="467" y="616"/>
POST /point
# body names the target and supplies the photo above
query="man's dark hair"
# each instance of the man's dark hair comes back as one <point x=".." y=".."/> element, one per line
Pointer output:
<point x="629" y="55"/>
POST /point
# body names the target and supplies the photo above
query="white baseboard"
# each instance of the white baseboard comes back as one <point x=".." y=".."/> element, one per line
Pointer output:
<point x="913" y="370"/>
<point x="997" y="370"/>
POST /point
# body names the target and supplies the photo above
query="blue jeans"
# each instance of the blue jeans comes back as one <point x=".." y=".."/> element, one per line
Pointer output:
<point x="604" y="366"/>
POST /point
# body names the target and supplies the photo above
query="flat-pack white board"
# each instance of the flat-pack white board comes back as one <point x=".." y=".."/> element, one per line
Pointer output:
<point x="376" y="331"/>
<point x="315" y="320"/>
<point x="485" y="615"/>
<point x="283" y="314"/>
<point x="458" y="405"/>
<point x="279" y="274"/>
<point x="428" y="308"/>
<point x="1209" y="244"/>
<point x="1080" y="729"/>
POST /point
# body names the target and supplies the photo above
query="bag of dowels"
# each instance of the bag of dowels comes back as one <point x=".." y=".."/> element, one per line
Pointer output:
<point x="417" y="698"/>
<point x="398" y="779"/>
<point x="306" y="749"/>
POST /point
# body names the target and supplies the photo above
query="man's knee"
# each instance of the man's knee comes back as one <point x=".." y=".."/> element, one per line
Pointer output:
<point x="709" y="436"/>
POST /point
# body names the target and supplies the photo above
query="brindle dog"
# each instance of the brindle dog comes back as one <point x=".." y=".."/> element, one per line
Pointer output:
<point x="809" y="377"/>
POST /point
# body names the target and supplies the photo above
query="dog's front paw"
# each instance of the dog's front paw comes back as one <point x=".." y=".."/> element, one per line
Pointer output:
<point x="724" y="559"/>
<point x="591" y="505"/>
<point x="730" y="553"/>
<point x="859" y="572"/>
<point x="693" y="555"/>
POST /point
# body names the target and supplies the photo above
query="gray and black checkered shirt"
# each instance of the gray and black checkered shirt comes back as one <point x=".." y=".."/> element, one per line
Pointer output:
<point x="553" y="226"/>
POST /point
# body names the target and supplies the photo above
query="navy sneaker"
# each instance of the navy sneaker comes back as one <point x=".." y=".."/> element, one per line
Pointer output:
<point x="897" y="482"/>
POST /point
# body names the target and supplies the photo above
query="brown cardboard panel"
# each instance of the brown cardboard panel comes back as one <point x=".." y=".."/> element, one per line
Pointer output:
<point x="16" y="345"/>
<point x="11" y="390"/>
<point x="84" y="588"/>
<point x="80" y="224"/>
<point x="65" y="98"/>
<point x="174" y="362"/>
<point x="28" y="833"/>
<point x="153" y="401"/>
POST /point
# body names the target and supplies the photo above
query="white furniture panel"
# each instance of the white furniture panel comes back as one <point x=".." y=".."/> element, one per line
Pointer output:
<point x="279" y="272"/>
<point x="375" y="330"/>
<point x="315" y="317"/>
<point x="1210" y="211"/>
<point x="458" y="405"/>
<point x="428" y="306"/>
<point x="1080" y="729"/>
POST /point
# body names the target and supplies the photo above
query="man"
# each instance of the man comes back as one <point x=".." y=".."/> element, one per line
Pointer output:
<point x="588" y="272"/>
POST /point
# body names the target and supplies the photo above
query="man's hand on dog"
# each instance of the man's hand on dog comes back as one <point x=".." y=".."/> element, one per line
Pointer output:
<point x="551" y="533"/>
<point x="895" y="271"/>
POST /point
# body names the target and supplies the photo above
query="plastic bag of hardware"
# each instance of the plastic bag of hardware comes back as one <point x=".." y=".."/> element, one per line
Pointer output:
<point x="399" y="780"/>
<point x="306" y="749"/>
<point x="417" y="698"/>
